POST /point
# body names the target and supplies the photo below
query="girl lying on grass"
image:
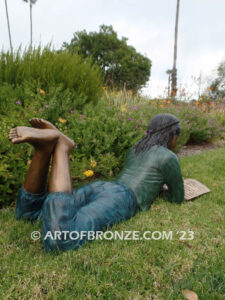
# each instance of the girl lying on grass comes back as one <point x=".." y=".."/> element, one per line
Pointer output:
<point x="91" y="208"/>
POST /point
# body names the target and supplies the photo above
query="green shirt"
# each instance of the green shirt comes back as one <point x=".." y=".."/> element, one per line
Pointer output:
<point x="145" y="174"/>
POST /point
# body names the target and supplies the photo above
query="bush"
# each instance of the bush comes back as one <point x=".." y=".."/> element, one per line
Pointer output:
<point x="50" y="68"/>
<point x="201" y="127"/>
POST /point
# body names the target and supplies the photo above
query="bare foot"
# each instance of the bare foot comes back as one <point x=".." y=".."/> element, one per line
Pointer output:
<point x="36" y="137"/>
<point x="64" y="141"/>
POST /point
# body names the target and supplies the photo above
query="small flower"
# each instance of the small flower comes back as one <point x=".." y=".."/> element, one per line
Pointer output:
<point x="136" y="127"/>
<point x="62" y="120"/>
<point x="41" y="109"/>
<point x="82" y="116"/>
<point x="28" y="162"/>
<point x="123" y="108"/>
<point x="128" y="119"/>
<point x="88" y="173"/>
<point x="93" y="163"/>
<point x="72" y="111"/>
<point x="18" y="102"/>
<point x="134" y="108"/>
<point x="42" y="92"/>
<point x="46" y="105"/>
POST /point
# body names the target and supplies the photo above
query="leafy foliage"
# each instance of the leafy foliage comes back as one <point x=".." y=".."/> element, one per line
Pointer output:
<point x="122" y="65"/>
<point x="217" y="88"/>
<point x="51" y="68"/>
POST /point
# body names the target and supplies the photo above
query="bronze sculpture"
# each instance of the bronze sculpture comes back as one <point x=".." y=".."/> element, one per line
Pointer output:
<point x="93" y="207"/>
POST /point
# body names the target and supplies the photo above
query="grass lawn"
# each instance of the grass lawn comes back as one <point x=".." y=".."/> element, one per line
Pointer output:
<point x="155" y="269"/>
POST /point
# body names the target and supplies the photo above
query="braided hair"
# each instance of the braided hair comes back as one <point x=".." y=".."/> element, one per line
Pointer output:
<point x="161" y="130"/>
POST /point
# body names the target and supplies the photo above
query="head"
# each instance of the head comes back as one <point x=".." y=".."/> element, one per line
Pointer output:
<point x="163" y="130"/>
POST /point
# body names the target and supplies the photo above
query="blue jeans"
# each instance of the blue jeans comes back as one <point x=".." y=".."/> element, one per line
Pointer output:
<point x="90" y="208"/>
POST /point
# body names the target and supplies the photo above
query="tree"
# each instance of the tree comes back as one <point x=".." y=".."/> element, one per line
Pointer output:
<point x="169" y="73"/>
<point x="174" y="73"/>
<point x="122" y="66"/>
<point x="31" y="21"/>
<point x="7" y="16"/>
<point x="217" y="87"/>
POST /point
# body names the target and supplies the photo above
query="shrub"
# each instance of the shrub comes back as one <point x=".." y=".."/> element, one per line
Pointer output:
<point x="50" y="68"/>
<point x="202" y="127"/>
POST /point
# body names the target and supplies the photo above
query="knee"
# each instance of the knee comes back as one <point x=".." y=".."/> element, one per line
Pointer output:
<point x="58" y="214"/>
<point x="29" y="205"/>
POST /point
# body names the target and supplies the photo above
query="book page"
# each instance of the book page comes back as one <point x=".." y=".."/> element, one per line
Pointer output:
<point x="192" y="189"/>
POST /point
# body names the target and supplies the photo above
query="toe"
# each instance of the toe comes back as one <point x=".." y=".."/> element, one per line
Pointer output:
<point x="34" y="122"/>
<point x="13" y="131"/>
<point x="17" y="140"/>
<point x="41" y="124"/>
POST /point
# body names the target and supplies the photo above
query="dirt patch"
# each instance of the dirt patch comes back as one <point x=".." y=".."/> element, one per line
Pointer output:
<point x="197" y="149"/>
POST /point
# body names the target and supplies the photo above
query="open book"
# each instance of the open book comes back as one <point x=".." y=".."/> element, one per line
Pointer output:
<point x="192" y="189"/>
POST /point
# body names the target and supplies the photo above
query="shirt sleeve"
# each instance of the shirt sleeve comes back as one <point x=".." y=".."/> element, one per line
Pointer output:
<point x="172" y="177"/>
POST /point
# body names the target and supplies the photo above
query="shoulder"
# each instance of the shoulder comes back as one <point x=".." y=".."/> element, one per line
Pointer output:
<point x="165" y="153"/>
<point x="167" y="156"/>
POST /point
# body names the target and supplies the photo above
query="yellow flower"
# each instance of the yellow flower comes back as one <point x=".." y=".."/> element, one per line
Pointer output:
<point x="62" y="120"/>
<point x="88" y="173"/>
<point x="93" y="163"/>
<point x="28" y="162"/>
<point x="42" y="92"/>
<point x="123" y="108"/>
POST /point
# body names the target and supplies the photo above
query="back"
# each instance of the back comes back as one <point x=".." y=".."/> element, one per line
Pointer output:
<point x="145" y="174"/>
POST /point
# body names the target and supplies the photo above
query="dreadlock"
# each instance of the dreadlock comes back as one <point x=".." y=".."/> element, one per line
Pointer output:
<point x="160" y="131"/>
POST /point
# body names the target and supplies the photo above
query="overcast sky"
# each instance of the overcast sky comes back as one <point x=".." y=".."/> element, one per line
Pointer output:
<point x="148" y="25"/>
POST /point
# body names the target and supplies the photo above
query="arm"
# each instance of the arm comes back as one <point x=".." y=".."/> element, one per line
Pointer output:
<point x="173" y="179"/>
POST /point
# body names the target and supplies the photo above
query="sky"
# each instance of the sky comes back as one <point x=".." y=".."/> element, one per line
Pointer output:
<point x="148" y="24"/>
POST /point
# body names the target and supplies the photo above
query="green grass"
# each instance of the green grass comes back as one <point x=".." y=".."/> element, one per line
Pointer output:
<point x="157" y="269"/>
